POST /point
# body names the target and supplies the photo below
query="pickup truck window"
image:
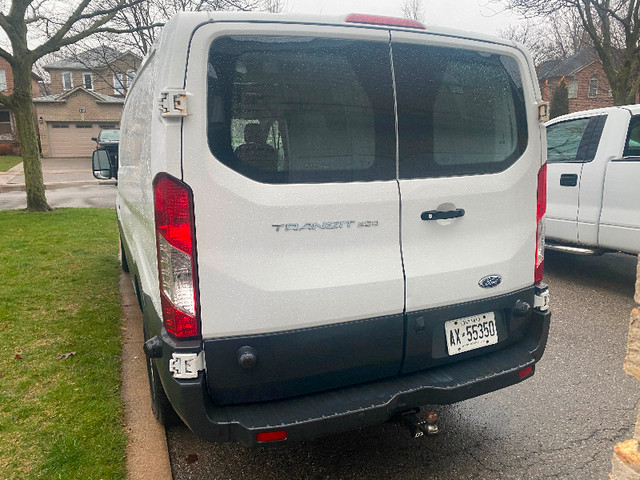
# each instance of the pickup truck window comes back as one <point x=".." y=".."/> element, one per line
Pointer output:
<point x="574" y="141"/>
<point x="632" y="146"/>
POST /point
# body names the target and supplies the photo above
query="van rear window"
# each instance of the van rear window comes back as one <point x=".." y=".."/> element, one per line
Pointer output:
<point x="312" y="110"/>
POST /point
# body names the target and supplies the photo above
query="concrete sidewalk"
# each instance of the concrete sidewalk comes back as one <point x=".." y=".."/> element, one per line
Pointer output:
<point x="57" y="173"/>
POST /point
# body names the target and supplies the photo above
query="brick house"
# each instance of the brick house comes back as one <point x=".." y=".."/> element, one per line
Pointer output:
<point x="87" y="94"/>
<point x="8" y="135"/>
<point x="585" y="78"/>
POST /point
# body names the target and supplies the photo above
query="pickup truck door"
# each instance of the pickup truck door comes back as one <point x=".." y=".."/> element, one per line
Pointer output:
<point x="620" y="218"/>
<point x="570" y="146"/>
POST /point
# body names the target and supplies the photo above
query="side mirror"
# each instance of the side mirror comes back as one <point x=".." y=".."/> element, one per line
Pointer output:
<point x="95" y="139"/>
<point x="101" y="165"/>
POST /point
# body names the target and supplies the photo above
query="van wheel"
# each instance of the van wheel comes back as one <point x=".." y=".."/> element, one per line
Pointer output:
<point x="160" y="405"/>
<point x="125" y="263"/>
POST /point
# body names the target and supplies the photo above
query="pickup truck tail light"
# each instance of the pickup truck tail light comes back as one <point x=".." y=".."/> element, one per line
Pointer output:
<point x="541" y="210"/>
<point x="175" y="242"/>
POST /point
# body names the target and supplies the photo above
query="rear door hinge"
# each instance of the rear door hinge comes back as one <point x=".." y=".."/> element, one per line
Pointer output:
<point x="173" y="103"/>
<point x="186" y="365"/>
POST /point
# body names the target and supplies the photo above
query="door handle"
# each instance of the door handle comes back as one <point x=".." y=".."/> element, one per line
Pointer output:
<point x="568" y="179"/>
<point x="441" y="215"/>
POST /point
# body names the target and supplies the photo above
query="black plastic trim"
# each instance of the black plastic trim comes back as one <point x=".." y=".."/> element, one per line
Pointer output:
<point x="298" y="362"/>
<point x="344" y="409"/>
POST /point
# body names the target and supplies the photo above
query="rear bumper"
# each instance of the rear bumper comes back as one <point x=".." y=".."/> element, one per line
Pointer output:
<point x="319" y="414"/>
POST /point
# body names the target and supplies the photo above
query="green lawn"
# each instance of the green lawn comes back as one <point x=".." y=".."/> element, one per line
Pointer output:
<point x="8" y="161"/>
<point x="61" y="416"/>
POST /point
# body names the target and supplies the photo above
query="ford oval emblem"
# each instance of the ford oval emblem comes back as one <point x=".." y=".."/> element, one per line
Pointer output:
<point x="490" y="281"/>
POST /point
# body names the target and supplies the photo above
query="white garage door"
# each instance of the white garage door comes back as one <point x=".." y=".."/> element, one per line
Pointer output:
<point x="73" y="139"/>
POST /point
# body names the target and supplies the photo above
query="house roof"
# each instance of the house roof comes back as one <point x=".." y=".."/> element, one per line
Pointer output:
<point x="62" y="97"/>
<point x="569" y="66"/>
<point x="97" y="57"/>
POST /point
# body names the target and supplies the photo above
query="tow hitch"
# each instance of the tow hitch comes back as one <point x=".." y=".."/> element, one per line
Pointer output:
<point x="419" y="425"/>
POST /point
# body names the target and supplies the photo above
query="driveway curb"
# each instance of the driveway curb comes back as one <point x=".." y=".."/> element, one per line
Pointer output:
<point x="147" y="450"/>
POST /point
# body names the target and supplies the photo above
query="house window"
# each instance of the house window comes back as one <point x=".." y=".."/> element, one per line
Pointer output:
<point x="5" y="122"/>
<point x="67" y="81"/>
<point x="118" y="84"/>
<point x="60" y="125"/>
<point x="87" y="80"/>
<point x="84" y="125"/>
<point x="3" y="80"/>
<point x="593" y="87"/>
<point x="573" y="88"/>
<point x="131" y="75"/>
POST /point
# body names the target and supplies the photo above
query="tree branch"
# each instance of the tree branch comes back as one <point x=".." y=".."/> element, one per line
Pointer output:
<point x="6" y="101"/>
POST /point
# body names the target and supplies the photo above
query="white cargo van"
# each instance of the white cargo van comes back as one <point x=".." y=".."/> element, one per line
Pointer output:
<point x="331" y="221"/>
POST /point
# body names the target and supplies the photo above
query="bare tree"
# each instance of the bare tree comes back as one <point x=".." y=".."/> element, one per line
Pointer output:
<point x="413" y="9"/>
<point x="35" y="29"/>
<point x="157" y="12"/>
<point x="554" y="38"/>
<point x="612" y="25"/>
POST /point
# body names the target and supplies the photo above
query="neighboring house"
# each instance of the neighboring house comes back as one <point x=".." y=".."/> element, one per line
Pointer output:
<point x="585" y="78"/>
<point x="9" y="142"/>
<point x="87" y="94"/>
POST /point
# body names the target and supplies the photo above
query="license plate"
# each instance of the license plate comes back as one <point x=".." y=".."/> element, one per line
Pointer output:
<point x="469" y="333"/>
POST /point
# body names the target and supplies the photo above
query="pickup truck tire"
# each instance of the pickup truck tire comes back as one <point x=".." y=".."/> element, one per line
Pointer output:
<point x="125" y="263"/>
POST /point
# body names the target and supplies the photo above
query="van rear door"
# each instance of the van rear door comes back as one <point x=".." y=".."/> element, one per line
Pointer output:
<point x="289" y="147"/>
<point x="468" y="187"/>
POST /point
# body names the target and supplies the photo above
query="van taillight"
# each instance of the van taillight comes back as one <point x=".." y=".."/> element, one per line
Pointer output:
<point x="541" y="210"/>
<point x="175" y="242"/>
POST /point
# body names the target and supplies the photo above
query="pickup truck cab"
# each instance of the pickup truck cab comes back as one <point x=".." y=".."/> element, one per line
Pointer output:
<point x="593" y="166"/>
<point x="331" y="221"/>
<point x="107" y="140"/>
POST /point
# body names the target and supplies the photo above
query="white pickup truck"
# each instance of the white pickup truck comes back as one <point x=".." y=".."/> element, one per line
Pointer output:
<point x="593" y="178"/>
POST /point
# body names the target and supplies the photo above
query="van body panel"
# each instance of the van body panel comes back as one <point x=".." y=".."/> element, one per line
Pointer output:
<point x="144" y="150"/>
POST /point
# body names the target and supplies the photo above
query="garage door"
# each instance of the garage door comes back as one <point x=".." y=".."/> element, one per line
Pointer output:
<point x="73" y="139"/>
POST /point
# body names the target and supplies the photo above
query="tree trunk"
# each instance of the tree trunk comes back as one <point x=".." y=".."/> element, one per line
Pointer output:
<point x="22" y="103"/>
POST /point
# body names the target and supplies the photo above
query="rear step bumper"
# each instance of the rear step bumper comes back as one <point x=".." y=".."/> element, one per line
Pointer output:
<point x="349" y="408"/>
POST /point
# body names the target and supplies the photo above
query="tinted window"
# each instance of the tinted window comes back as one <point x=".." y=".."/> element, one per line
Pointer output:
<point x="574" y="140"/>
<point x="459" y="112"/>
<point x="109" y="136"/>
<point x="632" y="147"/>
<point x="302" y="110"/>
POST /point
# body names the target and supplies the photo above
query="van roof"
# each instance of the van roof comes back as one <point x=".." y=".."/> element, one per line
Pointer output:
<point x="189" y="20"/>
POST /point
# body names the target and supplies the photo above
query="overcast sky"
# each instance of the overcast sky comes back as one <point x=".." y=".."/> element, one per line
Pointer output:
<point x="473" y="15"/>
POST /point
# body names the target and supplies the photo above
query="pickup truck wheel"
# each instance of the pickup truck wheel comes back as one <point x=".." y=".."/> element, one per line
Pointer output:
<point x="160" y="404"/>
<point x="125" y="263"/>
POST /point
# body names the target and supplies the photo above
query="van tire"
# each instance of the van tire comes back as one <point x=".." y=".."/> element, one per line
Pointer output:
<point x="125" y="263"/>
<point x="160" y="405"/>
